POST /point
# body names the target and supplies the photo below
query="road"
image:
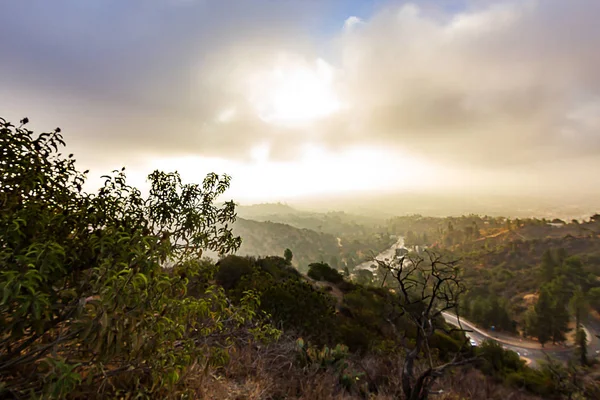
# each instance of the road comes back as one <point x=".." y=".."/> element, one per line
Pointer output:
<point x="527" y="349"/>
<point x="387" y="254"/>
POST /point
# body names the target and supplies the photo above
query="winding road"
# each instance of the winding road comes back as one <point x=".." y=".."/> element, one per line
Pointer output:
<point x="525" y="348"/>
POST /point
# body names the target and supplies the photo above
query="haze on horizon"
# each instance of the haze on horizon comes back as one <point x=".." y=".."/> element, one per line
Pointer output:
<point x="306" y="100"/>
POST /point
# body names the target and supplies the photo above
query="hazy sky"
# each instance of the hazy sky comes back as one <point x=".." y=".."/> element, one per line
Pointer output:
<point x="315" y="97"/>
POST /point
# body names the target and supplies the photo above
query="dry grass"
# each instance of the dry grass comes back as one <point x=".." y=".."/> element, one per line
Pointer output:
<point x="272" y="372"/>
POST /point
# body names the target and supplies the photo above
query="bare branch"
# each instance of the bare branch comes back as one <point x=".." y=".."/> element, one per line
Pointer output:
<point x="425" y="287"/>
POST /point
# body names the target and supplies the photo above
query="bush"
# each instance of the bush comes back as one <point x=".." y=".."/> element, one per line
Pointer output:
<point x="84" y="288"/>
<point x="323" y="272"/>
<point x="278" y="268"/>
<point x="497" y="361"/>
<point x="232" y="269"/>
<point x="298" y="306"/>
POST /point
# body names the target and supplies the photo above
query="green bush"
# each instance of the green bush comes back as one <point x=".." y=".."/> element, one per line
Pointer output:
<point x="497" y="361"/>
<point x="323" y="272"/>
<point x="298" y="306"/>
<point x="530" y="380"/>
<point x="85" y="295"/>
<point x="231" y="269"/>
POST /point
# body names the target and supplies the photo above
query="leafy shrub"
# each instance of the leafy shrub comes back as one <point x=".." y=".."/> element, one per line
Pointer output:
<point x="323" y="272"/>
<point x="86" y="300"/>
<point x="232" y="269"/>
<point x="278" y="268"/>
<point x="498" y="361"/>
<point x="335" y="359"/>
<point x="297" y="305"/>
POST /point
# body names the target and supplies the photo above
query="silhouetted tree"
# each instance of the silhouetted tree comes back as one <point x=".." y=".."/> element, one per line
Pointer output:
<point x="426" y="288"/>
<point x="287" y="254"/>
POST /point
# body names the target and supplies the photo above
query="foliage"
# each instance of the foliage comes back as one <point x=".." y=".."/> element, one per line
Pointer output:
<point x="594" y="298"/>
<point x="323" y="272"/>
<point x="298" y="305"/>
<point x="324" y="357"/>
<point x="488" y="311"/>
<point x="86" y="298"/>
<point x="549" y="318"/>
<point x="340" y="239"/>
<point x="287" y="254"/>
<point x="496" y="361"/>
<point x="335" y="359"/>
<point x="232" y="269"/>
<point x="290" y="301"/>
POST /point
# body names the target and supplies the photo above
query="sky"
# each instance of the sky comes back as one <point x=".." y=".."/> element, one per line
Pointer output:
<point x="316" y="98"/>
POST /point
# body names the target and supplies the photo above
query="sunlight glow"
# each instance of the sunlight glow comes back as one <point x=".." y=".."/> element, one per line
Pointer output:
<point x="317" y="172"/>
<point x="294" y="92"/>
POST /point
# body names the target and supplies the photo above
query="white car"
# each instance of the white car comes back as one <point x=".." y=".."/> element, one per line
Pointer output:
<point x="473" y="342"/>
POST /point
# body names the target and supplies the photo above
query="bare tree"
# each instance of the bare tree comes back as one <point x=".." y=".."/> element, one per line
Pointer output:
<point x="425" y="287"/>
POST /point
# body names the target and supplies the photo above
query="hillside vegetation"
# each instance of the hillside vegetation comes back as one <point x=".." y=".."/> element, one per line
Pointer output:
<point x="109" y="295"/>
<point x="344" y="245"/>
<point x="507" y="264"/>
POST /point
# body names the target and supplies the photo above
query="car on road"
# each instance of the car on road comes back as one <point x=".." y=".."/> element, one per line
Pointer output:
<point x="473" y="342"/>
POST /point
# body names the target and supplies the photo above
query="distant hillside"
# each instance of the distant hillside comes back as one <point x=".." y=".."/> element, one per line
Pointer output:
<point x="266" y="238"/>
<point x="255" y="211"/>
<point x="335" y="239"/>
<point x="507" y="262"/>
<point x="334" y="223"/>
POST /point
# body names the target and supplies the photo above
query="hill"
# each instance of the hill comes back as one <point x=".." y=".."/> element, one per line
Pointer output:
<point x="336" y="223"/>
<point x="508" y="263"/>
<point x="344" y="247"/>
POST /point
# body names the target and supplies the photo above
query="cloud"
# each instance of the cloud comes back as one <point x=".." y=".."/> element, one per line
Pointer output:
<point x="486" y="85"/>
<point x="150" y="75"/>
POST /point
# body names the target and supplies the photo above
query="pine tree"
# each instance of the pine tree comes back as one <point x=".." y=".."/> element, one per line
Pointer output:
<point x="578" y="306"/>
<point x="543" y="317"/>
<point x="548" y="266"/>
<point x="287" y="254"/>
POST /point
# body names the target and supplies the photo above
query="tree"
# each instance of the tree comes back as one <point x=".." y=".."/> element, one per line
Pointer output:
<point x="95" y="285"/>
<point x="574" y="272"/>
<point x="287" y="254"/>
<point x="581" y="340"/>
<point x="426" y="288"/>
<point x="560" y="293"/>
<point x="561" y="255"/>
<point x="323" y="272"/>
<point x="543" y="317"/>
<point x="548" y="266"/>
<point x="579" y="306"/>
<point x="594" y="298"/>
